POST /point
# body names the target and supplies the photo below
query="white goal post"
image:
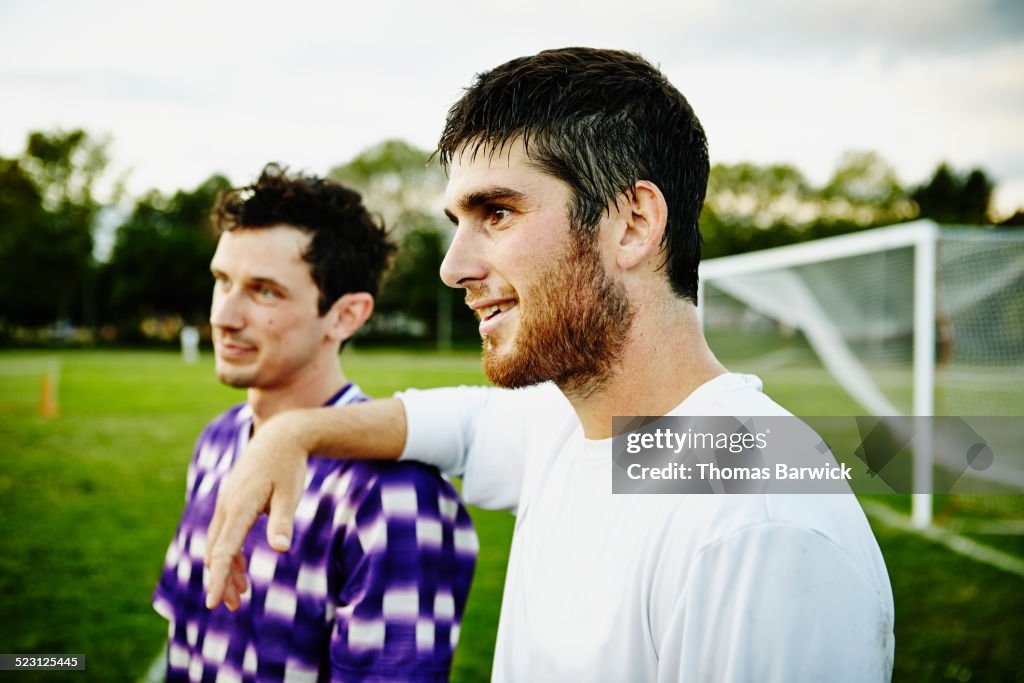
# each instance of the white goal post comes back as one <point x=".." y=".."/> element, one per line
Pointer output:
<point x="839" y="294"/>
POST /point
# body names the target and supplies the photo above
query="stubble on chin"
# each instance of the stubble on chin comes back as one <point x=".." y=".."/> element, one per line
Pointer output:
<point x="573" y="328"/>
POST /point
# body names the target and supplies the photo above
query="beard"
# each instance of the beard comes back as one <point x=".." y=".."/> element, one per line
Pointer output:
<point x="573" y="332"/>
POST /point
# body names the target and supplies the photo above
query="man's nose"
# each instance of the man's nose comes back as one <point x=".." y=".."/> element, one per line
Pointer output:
<point x="227" y="309"/>
<point x="463" y="263"/>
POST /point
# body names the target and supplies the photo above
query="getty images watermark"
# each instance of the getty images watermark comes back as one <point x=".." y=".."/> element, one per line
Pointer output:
<point x="817" y="455"/>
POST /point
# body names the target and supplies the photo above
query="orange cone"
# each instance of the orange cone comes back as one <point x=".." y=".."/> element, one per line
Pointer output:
<point x="48" y="396"/>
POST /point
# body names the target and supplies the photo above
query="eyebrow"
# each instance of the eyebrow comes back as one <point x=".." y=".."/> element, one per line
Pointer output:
<point x="474" y="200"/>
<point x="268" y="281"/>
<point x="257" y="280"/>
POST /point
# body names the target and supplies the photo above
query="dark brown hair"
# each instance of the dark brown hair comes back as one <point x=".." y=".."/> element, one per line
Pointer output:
<point x="349" y="250"/>
<point x="600" y="120"/>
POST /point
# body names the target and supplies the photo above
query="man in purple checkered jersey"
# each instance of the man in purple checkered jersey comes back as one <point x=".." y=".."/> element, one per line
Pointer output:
<point x="376" y="579"/>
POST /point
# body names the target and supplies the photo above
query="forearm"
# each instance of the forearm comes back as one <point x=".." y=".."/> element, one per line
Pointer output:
<point x="375" y="430"/>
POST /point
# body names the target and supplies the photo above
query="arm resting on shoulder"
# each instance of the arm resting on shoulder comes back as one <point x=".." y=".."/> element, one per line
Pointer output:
<point x="270" y="477"/>
<point x="473" y="432"/>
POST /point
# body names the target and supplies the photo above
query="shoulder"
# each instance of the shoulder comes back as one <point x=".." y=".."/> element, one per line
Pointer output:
<point x="226" y="423"/>
<point x="834" y="517"/>
<point x="404" y="510"/>
<point x="788" y="535"/>
<point x="731" y="394"/>
<point x="220" y="435"/>
<point x="778" y="546"/>
<point x="405" y="474"/>
<point x="377" y="473"/>
<point x="399" y="488"/>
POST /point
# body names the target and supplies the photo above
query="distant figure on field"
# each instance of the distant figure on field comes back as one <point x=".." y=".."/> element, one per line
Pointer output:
<point x="190" y="344"/>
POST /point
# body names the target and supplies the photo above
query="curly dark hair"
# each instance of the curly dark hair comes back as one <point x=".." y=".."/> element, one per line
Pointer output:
<point x="600" y="120"/>
<point x="349" y="249"/>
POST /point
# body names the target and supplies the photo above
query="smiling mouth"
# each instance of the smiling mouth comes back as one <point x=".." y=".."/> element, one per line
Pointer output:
<point x="489" y="312"/>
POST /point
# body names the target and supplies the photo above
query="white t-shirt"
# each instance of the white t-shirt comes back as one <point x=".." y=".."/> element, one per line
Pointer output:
<point x="604" y="587"/>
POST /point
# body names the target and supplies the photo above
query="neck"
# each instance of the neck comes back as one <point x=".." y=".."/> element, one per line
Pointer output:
<point x="310" y="388"/>
<point x="664" y="360"/>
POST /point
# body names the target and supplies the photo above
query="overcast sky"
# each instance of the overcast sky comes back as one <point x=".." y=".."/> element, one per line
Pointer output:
<point x="190" y="88"/>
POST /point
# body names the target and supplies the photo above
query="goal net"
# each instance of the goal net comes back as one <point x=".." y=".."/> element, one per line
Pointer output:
<point x="911" y="319"/>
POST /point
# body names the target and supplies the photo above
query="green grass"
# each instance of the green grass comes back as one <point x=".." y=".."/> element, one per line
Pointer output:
<point x="88" y="503"/>
<point x="956" y="619"/>
<point x="88" y="499"/>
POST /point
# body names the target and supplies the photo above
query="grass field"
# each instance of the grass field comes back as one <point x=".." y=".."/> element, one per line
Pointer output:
<point x="89" y="500"/>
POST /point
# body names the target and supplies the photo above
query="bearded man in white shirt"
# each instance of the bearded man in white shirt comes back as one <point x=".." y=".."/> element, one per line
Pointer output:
<point x="576" y="179"/>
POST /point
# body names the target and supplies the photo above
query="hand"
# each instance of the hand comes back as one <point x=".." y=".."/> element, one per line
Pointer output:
<point x="270" y="476"/>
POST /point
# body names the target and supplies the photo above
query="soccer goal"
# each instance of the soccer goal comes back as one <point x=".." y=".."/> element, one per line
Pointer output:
<point x="910" y="319"/>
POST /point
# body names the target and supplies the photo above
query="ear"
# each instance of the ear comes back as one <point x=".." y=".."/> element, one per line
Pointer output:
<point x="645" y="212"/>
<point x="348" y="314"/>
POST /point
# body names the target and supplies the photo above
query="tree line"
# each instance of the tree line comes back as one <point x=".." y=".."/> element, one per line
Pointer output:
<point x="155" y="277"/>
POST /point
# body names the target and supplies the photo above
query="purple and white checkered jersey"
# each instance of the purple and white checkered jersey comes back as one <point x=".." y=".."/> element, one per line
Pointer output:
<point x="373" y="588"/>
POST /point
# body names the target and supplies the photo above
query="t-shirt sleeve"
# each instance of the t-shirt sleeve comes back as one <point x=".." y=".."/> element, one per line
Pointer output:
<point x="404" y="569"/>
<point x="774" y="602"/>
<point x="441" y="425"/>
<point x="479" y="434"/>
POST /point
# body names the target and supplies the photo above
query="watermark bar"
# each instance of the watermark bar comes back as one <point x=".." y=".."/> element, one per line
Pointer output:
<point x="50" y="662"/>
<point x="786" y="454"/>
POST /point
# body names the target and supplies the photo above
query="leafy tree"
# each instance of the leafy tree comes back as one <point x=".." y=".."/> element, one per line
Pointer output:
<point x="1014" y="221"/>
<point x="395" y="178"/>
<point x="952" y="198"/>
<point x="753" y="207"/>
<point x="66" y="166"/>
<point x="865" y="188"/>
<point x="397" y="183"/>
<point x="750" y="206"/>
<point x="975" y="198"/>
<point x="21" y="204"/>
<point x="161" y="258"/>
<point x="47" y="212"/>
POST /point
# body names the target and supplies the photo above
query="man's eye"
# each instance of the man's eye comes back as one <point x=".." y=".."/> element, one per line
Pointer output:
<point x="498" y="214"/>
<point x="221" y="282"/>
<point x="266" y="293"/>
